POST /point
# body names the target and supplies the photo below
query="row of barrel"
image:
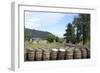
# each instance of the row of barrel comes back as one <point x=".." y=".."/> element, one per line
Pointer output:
<point x="56" y="54"/>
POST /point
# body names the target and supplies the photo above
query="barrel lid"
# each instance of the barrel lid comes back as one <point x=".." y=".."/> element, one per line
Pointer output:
<point x="54" y="49"/>
<point x="61" y="49"/>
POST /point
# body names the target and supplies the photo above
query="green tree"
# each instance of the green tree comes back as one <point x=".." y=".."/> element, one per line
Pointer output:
<point x="85" y="21"/>
<point x="57" y="39"/>
<point x="79" y="29"/>
<point x="27" y="35"/>
<point x="51" y="38"/>
<point x="70" y="33"/>
<point x="82" y="23"/>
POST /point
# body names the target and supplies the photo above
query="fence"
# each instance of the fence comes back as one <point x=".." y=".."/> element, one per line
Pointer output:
<point x="71" y="52"/>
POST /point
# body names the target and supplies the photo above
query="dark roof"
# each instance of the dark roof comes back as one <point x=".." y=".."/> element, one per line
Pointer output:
<point x="37" y="33"/>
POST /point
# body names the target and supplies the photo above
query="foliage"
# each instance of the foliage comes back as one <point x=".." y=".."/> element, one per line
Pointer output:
<point x="51" y="38"/>
<point x="82" y="23"/>
<point x="61" y="40"/>
<point x="57" y="39"/>
<point x="27" y="36"/>
<point x="70" y="33"/>
<point x="79" y="30"/>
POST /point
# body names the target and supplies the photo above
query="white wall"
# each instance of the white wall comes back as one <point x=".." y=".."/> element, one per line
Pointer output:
<point x="5" y="40"/>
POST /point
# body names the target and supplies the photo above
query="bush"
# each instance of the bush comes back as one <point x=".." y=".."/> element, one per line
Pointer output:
<point x="61" y="41"/>
<point x="51" y="38"/>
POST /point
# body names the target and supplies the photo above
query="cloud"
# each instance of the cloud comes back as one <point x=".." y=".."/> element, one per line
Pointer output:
<point x="34" y="20"/>
<point x="31" y="25"/>
<point x="60" y="34"/>
<point x="38" y="19"/>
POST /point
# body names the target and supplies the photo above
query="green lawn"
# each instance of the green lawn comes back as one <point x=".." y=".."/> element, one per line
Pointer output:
<point x="42" y="45"/>
<point x="87" y="44"/>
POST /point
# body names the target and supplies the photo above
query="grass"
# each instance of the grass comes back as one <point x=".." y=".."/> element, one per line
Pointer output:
<point x="48" y="45"/>
<point x="87" y="44"/>
<point x="42" y="45"/>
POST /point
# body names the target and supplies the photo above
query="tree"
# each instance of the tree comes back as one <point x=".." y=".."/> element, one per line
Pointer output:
<point x="51" y="38"/>
<point x="27" y="35"/>
<point x="79" y="29"/>
<point x="70" y="33"/>
<point x="82" y="23"/>
<point x="85" y="21"/>
<point x="57" y="39"/>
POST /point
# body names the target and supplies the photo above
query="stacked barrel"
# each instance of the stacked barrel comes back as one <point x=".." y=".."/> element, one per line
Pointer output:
<point x="69" y="53"/>
<point x="61" y="54"/>
<point x="31" y="54"/>
<point x="77" y="53"/>
<point x="56" y="53"/>
<point x="25" y="55"/>
<point x="38" y="55"/>
<point x="84" y="53"/>
<point x="46" y="54"/>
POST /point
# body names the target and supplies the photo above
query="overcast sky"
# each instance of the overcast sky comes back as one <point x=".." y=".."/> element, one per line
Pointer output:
<point x="45" y="21"/>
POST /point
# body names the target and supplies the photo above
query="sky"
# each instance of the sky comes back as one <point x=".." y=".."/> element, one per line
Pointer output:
<point x="55" y="23"/>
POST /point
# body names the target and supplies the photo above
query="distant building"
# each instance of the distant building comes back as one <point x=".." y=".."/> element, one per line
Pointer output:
<point x="38" y="40"/>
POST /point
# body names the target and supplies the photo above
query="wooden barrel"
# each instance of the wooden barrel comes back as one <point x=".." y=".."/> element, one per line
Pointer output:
<point x="83" y="53"/>
<point x="25" y="54"/>
<point x="46" y="54"/>
<point x="31" y="54"/>
<point x="69" y="53"/>
<point x="88" y="52"/>
<point x="38" y="55"/>
<point x="61" y="54"/>
<point x="77" y="53"/>
<point x="53" y="55"/>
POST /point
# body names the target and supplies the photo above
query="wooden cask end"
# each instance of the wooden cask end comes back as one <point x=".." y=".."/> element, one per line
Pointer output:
<point x="31" y="54"/>
<point x="61" y="54"/>
<point x="46" y="54"/>
<point x="83" y="53"/>
<point x="88" y="52"/>
<point x="25" y="55"/>
<point x="53" y="55"/>
<point x="77" y="53"/>
<point x="69" y="53"/>
<point x="38" y="55"/>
